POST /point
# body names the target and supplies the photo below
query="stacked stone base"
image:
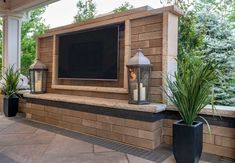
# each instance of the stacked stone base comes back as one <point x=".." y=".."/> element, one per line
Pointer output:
<point x="133" y="132"/>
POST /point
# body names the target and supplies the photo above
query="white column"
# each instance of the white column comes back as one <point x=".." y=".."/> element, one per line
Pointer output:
<point x="11" y="41"/>
<point x="170" y="49"/>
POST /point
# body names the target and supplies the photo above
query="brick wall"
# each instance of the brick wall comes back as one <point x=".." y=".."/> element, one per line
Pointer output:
<point x="146" y="33"/>
<point x="142" y="134"/>
<point x="133" y="132"/>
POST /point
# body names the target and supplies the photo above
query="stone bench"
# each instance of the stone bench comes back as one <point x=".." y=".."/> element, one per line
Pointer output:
<point x="138" y="125"/>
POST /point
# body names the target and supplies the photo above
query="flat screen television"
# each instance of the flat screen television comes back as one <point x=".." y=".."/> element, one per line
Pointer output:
<point x="90" y="54"/>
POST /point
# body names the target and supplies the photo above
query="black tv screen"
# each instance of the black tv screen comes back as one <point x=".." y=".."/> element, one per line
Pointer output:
<point x="90" y="54"/>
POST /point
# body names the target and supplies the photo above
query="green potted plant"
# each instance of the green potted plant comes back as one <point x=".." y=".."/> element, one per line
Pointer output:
<point x="10" y="82"/>
<point x="190" y="91"/>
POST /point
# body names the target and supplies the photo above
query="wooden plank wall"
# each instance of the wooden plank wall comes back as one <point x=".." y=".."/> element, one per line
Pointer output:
<point x="146" y="33"/>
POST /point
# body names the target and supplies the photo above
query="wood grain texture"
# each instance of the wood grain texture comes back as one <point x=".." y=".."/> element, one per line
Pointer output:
<point x="127" y="50"/>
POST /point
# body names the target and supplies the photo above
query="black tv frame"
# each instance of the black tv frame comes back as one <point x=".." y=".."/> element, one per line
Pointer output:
<point x="94" y="29"/>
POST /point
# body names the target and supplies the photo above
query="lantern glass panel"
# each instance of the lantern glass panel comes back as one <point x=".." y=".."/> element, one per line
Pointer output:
<point x="44" y="81"/>
<point x="38" y="80"/>
<point x="144" y="83"/>
<point x="32" y="80"/>
<point x="133" y="84"/>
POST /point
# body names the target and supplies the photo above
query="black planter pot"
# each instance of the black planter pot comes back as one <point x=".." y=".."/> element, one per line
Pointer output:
<point x="10" y="106"/>
<point x="187" y="142"/>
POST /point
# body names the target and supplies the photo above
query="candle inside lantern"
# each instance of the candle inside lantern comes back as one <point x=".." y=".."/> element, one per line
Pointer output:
<point x="135" y="95"/>
<point x="142" y="93"/>
<point x="38" y="85"/>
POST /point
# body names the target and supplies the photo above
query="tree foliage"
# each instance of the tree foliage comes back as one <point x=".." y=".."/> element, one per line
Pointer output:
<point x="124" y="7"/>
<point x="31" y="28"/>
<point x="219" y="47"/>
<point x="231" y="16"/>
<point x="190" y="38"/>
<point x="86" y="10"/>
<point x="206" y="28"/>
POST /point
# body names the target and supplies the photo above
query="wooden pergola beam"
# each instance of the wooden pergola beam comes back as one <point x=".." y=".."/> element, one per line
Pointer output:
<point x="18" y="6"/>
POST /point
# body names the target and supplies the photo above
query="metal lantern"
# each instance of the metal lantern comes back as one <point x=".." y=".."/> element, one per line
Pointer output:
<point x="139" y="70"/>
<point x="38" y="77"/>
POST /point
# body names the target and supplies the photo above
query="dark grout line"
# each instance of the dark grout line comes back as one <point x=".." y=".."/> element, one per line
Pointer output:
<point x="127" y="158"/>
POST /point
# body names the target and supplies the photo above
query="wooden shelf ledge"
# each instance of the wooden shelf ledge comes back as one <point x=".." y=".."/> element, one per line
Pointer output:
<point x="91" y="88"/>
<point x="109" y="103"/>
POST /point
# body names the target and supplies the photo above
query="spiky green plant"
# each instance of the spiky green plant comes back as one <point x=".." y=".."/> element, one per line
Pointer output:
<point x="191" y="87"/>
<point x="10" y="81"/>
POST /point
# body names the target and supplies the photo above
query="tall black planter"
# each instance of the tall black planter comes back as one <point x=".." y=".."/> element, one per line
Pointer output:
<point x="187" y="142"/>
<point x="10" y="106"/>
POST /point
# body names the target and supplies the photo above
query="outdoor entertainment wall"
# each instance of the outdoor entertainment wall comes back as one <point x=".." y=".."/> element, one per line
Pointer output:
<point x="101" y="108"/>
<point x="144" y="29"/>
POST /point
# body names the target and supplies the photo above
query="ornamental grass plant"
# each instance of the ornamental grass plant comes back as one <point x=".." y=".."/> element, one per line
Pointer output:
<point x="10" y="82"/>
<point x="190" y="88"/>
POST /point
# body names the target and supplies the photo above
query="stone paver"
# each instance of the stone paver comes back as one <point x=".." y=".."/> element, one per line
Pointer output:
<point x="111" y="157"/>
<point x="98" y="149"/>
<point x="134" y="159"/>
<point x="171" y="159"/>
<point x="65" y="146"/>
<point x="23" y="141"/>
<point x="18" y="128"/>
<point x="23" y="153"/>
<point x="13" y="139"/>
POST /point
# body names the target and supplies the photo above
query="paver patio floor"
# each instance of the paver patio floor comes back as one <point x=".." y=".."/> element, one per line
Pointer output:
<point x="24" y="141"/>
